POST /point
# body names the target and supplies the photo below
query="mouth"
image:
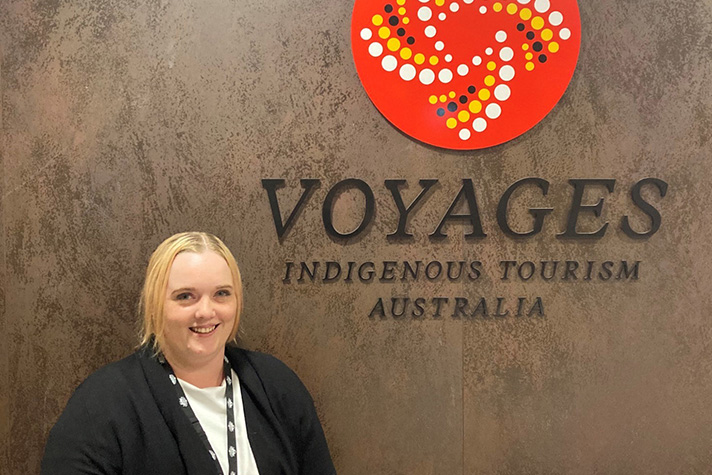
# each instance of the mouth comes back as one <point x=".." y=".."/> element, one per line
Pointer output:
<point x="204" y="330"/>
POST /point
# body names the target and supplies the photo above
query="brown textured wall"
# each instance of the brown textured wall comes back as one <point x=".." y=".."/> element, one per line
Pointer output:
<point x="4" y="368"/>
<point x="123" y="122"/>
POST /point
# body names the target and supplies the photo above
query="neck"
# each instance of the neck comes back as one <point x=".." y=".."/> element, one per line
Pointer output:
<point x="206" y="375"/>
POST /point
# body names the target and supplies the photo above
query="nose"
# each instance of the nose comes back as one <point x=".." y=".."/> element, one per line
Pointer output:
<point x="205" y="308"/>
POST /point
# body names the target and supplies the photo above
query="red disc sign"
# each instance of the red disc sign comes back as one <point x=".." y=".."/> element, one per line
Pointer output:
<point x="465" y="74"/>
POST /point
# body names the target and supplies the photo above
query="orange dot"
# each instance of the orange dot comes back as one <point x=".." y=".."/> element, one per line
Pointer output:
<point x="537" y="23"/>
<point x="489" y="80"/>
<point x="491" y="65"/>
<point x="451" y="123"/>
<point x="401" y="11"/>
<point x="553" y="47"/>
<point x="547" y="34"/>
<point x="497" y="7"/>
<point x="443" y="98"/>
<point x="484" y="94"/>
<point x="529" y="66"/>
<point x="512" y="8"/>
<point x="393" y="44"/>
<point x="451" y="94"/>
<point x="419" y="58"/>
<point x="433" y="60"/>
<point x="475" y="107"/>
<point x="463" y="116"/>
<point x="384" y="32"/>
<point x="433" y="99"/>
<point x="377" y="20"/>
<point x="525" y="14"/>
<point x="406" y="53"/>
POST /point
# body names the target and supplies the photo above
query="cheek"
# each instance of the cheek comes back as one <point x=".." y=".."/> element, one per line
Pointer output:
<point x="174" y="316"/>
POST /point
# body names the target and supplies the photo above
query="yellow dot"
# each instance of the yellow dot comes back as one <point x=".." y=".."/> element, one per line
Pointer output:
<point x="384" y="32"/>
<point x="497" y="7"/>
<point x="406" y="20"/>
<point x="463" y="116"/>
<point x="419" y="58"/>
<point x="475" y="107"/>
<point x="553" y="47"/>
<point x="451" y="123"/>
<point x="377" y="20"/>
<point x="451" y="94"/>
<point x="528" y="56"/>
<point x="406" y="53"/>
<point x="401" y="11"/>
<point x="525" y="46"/>
<point x="433" y="60"/>
<point x="491" y="65"/>
<point x="393" y="44"/>
<point x="440" y="3"/>
<point x="433" y="99"/>
<point x="484" y="94"/>
<point x="547" y="34"/>
<point x="529" y="66"/>
<point x="443" y="98"/>
<point x="400" y="2"/>
<point x="537" y="23"/>
<point x="489" y="80"/>
<point x="512" y="8"/>
<point x="525" y="14"/>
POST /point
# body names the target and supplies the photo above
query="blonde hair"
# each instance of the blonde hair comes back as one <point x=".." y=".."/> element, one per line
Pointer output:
<point x="154" y="286"/>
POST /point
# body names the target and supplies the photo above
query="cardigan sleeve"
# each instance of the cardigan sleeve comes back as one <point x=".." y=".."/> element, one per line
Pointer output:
<point x="314" y="456"/>
<point x="83" y="440"/>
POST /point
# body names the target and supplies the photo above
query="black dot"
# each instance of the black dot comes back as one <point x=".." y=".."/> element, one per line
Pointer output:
<point x="537" y="46"/>
<point x="542" y="58"/>
<point x="410" y="40"/>
<point x="530" y="35"/>
<point x="400" y="31"/>
<point x="389" y="8"/>
<point x="393" y="20"/>
<point x="463" y="99"/>
<point x="471" y="89"/>
<point x="441" y="112"/>
<point x="451" y="106"/>
<point x="520" y="26"/>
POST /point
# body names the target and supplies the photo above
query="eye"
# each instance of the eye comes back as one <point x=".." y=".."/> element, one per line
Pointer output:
<point x="223" y="293"/>
<point x="183" y="296"/>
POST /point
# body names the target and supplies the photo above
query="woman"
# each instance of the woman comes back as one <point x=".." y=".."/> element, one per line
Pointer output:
<point x="189" y="401"/>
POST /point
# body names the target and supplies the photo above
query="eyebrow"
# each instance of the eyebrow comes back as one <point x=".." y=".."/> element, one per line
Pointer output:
<point x="190" y="289"/>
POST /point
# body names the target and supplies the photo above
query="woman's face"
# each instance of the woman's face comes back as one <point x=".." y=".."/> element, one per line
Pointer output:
<point x="199" y="309"/>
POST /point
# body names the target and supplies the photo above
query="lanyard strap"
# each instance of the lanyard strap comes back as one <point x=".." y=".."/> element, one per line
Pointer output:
<point x="188" y="411"/>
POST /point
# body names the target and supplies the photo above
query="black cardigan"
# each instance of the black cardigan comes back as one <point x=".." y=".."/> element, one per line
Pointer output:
<point x="124" y="419"/>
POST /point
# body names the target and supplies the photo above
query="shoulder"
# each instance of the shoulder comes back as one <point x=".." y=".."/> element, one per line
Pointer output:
<point x="85" y="438"/>
<point x="109" y="391"/>
<point x="109" y="380"/>
<point x="278" y="381"/>
<point x="287" y="399"/>
<point x="268" y="368"/>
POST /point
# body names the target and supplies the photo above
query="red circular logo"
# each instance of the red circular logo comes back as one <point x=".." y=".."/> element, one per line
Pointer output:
<point x="465" y="74"/>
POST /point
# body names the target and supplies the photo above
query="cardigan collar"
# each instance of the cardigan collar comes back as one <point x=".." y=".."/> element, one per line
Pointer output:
<point x="192" y="450"/>
<point x="258" y="416"/>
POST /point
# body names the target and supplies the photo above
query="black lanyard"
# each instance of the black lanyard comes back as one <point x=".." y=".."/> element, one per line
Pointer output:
<point x="229" y="403"/>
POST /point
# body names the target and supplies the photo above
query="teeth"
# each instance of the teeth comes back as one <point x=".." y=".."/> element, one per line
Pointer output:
<point x="203" y="329"/>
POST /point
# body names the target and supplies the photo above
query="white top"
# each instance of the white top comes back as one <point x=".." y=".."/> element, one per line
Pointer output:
<point x="208" y="404"/>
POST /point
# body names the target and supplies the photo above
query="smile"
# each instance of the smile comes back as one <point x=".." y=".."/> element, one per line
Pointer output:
<point x="203" y="330"/>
